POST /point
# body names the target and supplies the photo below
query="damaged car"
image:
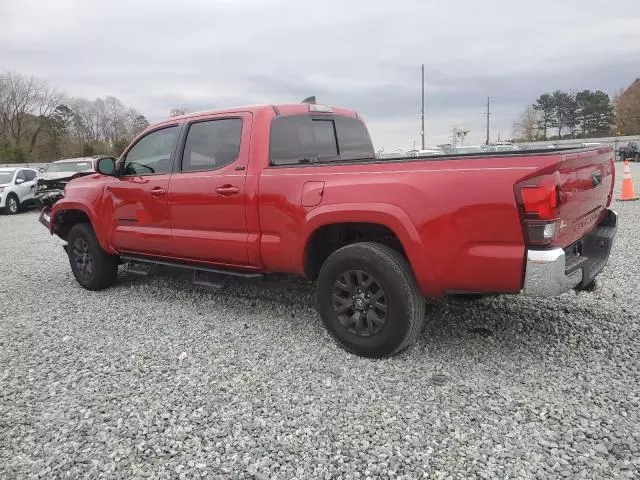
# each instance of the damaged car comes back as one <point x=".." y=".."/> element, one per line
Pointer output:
<point x="54" y="179"/>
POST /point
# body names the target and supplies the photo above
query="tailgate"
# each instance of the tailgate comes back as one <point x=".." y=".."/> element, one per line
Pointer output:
<point x="586" y="180"/>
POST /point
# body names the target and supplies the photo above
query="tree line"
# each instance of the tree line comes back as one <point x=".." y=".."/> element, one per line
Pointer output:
<point x="40" y="124"/>
<point x="570" y="115"/>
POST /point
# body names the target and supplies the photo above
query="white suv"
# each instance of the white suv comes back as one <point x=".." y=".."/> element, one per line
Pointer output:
<point x="17" y="188"/>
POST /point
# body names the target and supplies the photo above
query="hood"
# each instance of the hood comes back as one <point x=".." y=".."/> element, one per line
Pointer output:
<point x="5" y="184"/>
<point x="55" y="175"/>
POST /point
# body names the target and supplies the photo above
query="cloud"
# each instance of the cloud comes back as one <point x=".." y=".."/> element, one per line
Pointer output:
<point x="200" y="54"/>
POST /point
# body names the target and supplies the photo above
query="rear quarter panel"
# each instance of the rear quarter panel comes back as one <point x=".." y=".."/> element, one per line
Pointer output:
<point x="457" y="219"/>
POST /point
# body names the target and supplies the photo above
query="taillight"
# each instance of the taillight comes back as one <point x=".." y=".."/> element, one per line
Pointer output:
<point x="539" y="201"/>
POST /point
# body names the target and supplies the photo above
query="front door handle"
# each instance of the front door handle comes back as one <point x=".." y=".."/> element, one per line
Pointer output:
<point x="157" y="192"/>
<point x="227" y="190"/>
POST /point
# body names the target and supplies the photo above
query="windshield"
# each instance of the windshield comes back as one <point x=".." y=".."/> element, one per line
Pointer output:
<point x="70" y="167"/>
<point x="6" y="176"/>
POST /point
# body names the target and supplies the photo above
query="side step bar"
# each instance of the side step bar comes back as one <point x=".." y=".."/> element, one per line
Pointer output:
<point x="197" y="268"/>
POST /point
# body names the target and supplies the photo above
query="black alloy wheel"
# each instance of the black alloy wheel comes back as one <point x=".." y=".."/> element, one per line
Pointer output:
<point x="82" y="258"/>
<point x="359" y="303"/>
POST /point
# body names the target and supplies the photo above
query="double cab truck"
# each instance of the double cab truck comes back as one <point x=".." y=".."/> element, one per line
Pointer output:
<point x="297" y="189"/>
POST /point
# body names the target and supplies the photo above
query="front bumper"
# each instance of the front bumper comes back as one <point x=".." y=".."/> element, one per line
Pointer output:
<point x="45" y="217"/>
<point x="552" y="272"/>
<point x="47" y="198"/>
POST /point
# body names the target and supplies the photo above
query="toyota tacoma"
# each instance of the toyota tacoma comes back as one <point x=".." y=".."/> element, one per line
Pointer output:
<point x="297" y="189"/>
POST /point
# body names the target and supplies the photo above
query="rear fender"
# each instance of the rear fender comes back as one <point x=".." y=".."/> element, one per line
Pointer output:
<point x="388" y="215"/>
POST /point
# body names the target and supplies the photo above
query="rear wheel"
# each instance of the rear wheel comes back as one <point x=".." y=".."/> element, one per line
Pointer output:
<point x="92" y="267"/>
<point x="12" y="205"/>
<point x="369" y="300"/>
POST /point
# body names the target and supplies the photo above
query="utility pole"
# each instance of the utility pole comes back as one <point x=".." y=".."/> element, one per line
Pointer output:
<point x="488" y="113"/>
<point x="422" y="130"/>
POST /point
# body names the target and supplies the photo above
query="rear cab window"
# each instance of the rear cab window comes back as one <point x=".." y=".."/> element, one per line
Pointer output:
<point x="307" y="139"/>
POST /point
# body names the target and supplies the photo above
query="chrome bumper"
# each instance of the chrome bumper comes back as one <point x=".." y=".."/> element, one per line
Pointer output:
<point x="550" y="273"/>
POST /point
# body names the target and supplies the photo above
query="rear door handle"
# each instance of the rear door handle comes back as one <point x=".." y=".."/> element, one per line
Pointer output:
<point x="227" y="190"/>
<point x="157" y="192"/>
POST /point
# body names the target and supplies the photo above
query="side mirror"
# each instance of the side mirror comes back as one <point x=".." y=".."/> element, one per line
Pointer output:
<point x="19" y="181"/>
<point x="106" y="166"/>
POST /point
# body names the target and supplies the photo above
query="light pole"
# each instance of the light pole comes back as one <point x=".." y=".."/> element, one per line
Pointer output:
<point x="422" y="129"/>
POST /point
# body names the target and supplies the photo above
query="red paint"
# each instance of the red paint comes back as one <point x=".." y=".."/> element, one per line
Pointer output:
<point x="457" y="218"/>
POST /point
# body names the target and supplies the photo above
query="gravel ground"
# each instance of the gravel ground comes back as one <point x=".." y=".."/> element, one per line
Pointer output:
<point x="158" y="378"/>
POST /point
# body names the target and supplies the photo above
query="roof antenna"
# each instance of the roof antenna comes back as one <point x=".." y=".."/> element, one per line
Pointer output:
<point x="311" y="99"/>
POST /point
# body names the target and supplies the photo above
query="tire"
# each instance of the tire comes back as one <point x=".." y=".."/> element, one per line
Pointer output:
<point x="92" y="267"/>
<point x="378" y="325"/>
<point x="12" y="204"/>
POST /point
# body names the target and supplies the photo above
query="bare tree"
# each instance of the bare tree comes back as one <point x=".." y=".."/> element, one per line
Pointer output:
<point x="527" y="126"/>
<point x="627" y="109"/>
<point x="25" y="104"/>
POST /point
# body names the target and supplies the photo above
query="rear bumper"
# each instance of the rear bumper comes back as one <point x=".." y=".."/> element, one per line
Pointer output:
<point x="552" y="272"/>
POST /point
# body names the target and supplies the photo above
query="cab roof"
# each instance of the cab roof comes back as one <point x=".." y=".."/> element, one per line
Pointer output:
<point x="279" y="109"/>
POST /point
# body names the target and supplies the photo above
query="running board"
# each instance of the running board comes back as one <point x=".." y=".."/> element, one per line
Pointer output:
<point x="138" y="268"/>
<point x="199" y="268"/>
<point x="214" y="281"/>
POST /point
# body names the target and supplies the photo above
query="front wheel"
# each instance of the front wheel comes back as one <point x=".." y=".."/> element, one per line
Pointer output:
<point x="92" y="267"/>
<point x="369" y="300"/>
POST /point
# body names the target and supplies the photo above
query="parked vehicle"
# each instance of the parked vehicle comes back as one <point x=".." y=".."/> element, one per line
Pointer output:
<point x="630" y="152"/>
<point x="501" y="147"/>
<point x="466" y="149"/>
<point x="17" y="189"/>
<point x="297" y="189"/>
<point x="57" y="174"/>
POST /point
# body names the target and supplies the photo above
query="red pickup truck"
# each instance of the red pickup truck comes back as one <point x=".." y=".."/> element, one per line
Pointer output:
<point x="297" y="189"/>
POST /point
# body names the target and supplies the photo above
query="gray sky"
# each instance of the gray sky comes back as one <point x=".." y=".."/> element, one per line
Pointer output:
<point x="364" y="54"/>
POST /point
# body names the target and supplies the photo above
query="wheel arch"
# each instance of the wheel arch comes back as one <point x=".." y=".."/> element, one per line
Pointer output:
<point x="65" y="215"/>
<point x="383" y="223"/>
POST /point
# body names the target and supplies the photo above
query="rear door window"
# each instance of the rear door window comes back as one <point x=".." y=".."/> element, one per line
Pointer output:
<point x="212" y="144"/>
